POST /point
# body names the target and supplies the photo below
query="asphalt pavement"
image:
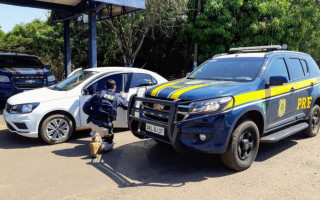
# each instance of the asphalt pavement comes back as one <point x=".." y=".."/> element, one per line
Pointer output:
<point x="143" y="169"/>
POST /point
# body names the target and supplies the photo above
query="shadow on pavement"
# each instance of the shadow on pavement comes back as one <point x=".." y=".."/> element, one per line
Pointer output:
<point x="10" y="140"/>
<point x="146" y="163"/>
<point x="267" y="151"/>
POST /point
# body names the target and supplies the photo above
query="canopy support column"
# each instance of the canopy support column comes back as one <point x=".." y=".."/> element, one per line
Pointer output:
<point x="67" y="48"/>
<point x="92" y="39"/>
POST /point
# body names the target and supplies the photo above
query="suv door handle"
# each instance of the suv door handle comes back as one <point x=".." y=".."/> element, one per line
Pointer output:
<point x="292" y="90"/>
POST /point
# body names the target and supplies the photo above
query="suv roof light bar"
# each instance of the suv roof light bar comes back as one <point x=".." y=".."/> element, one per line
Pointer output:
<point x="256" y="49"/>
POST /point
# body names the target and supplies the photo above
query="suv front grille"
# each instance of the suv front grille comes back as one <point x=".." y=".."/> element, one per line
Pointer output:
<point x="181" y="114"/>
<point x="29" y="81"/>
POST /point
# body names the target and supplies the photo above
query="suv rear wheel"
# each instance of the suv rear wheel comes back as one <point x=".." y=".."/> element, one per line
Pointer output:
<point x="243" y="146"/>
<point x="56" y="129"/>
<point x="313" y="122"/>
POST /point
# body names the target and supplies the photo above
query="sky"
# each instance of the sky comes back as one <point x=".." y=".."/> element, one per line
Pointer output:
<point x="12" y="15"/>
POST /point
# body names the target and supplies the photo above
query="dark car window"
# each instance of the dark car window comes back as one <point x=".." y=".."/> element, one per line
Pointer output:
<point x="278" y="68"/>
<point x="19" y="61"/>
<point x="138" y="79"/>
<point x="305" y="67"/>
<point x="229" y="69"/>
<point x="297" y="70"/>
<point x="100" y="85"/>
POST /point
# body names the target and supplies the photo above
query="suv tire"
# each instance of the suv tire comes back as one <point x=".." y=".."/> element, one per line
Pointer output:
<point x="243" y="146"/>
<point x="313" y="122"/>
<point x="56" y="129"/>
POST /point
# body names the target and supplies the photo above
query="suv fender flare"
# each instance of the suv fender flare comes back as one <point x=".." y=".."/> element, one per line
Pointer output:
<point x="315" y="101"/>
<point x="242" y="113"/>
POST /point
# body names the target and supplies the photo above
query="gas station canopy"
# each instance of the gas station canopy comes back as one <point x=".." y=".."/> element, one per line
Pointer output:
<point x="68" y="9"/>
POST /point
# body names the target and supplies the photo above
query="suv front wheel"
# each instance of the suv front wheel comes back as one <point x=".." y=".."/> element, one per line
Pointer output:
<point x="243" y="146"/>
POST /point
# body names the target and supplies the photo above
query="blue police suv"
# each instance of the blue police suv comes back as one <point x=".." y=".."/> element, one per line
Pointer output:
<point x="232" y="103"/>
<point x="20" y="72"/>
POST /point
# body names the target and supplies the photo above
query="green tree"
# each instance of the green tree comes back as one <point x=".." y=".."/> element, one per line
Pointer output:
<point x="39" y="38"/>
<point x="307" y="15"/>
<point x="225" y="24"/>
<point x="45" y="40"/>
<point x="1" y="33"/>
<point x="131" y="30"/>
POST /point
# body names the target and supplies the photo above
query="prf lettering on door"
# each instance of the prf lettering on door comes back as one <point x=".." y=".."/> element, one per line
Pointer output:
<point x="304" y="103"/>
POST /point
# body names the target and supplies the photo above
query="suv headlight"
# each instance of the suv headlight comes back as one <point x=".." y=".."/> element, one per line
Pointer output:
<point x="24" y="108"/>
<point x="212" y="105"/>
<point x="51" y="78"/>
<point x="4" y="79"/>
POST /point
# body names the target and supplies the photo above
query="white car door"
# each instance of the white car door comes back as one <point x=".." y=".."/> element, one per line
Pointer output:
<point x="129" y="89"/>
<point x="121" y="121"/>
<point x="130" y="83"/>
<point x="136" y="83"/>
<point x="98" y="86"/>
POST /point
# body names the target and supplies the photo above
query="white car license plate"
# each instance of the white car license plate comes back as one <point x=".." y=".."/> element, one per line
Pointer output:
<point x="155" y="129"/>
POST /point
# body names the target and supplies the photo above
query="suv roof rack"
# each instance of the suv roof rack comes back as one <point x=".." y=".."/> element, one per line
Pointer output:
<point x="221" y="54"/>
<point x="256" y="49"/>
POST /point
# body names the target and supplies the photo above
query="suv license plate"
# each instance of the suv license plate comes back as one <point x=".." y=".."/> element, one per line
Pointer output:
<point x="155" y="129"/>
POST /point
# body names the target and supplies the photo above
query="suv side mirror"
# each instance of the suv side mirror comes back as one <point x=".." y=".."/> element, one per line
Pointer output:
<point x="277" y="80"/>
<point x="188" y="74"/>
<point x="47" y="67"/>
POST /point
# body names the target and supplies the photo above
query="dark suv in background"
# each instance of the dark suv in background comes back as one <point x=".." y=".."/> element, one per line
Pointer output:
<point x="19" y="72"/>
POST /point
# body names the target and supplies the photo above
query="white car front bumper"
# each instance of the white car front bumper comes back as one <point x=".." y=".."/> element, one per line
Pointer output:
<point x="23" y="124"/>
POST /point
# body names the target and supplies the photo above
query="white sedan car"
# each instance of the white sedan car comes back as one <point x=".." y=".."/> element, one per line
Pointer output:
<point x="55" y="112"/>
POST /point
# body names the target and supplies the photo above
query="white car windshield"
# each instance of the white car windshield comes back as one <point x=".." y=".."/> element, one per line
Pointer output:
<point x="73" y="81"/>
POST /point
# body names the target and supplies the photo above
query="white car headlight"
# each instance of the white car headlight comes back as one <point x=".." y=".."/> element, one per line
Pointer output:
<point x="4" y="79"/>
<point x="207" y="106"/>
<point x="24" y="108"/>
<point x="51" y="78"/>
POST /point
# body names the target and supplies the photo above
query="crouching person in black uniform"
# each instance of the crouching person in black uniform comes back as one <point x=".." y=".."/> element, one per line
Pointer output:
<point x="102" y="110"/>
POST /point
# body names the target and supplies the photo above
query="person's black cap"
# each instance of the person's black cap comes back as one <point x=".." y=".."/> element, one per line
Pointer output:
<point x="110" y="84"/>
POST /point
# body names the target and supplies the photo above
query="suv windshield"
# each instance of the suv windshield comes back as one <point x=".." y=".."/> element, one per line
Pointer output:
<point x="74" y="80"/>
<point x="20" y="61"/>
<point x="229" y="69"/>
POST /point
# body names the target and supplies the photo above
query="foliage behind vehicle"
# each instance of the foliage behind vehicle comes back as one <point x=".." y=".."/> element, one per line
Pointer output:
<point x="166" y="33"/>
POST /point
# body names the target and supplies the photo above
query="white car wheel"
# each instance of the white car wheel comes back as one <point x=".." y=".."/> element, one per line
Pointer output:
<point x="56" y="129"/>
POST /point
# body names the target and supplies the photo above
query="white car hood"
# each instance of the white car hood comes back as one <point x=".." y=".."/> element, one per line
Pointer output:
<point x="38" y="95"/>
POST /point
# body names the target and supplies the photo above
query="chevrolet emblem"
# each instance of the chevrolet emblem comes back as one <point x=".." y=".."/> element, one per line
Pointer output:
<point x="158" y="106"/>
<point x="30" y="81"/>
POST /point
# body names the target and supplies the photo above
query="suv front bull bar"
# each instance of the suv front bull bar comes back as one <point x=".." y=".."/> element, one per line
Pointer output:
<point x="134" y="122"/>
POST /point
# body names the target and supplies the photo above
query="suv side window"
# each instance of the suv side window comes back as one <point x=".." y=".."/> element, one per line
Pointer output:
<point x="297" y="70"/>
<point x="278" y="68"/>
<point x="100" y="85"/>
<point x="305" y="67"/>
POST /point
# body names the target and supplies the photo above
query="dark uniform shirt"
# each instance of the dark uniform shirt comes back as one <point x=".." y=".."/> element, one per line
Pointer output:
<point x="102" y="107"/>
